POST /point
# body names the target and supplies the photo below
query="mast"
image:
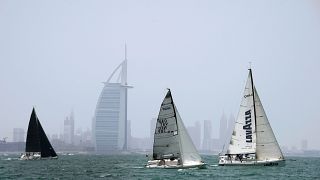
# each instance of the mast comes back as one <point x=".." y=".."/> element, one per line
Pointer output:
<point x="254" y="108"/>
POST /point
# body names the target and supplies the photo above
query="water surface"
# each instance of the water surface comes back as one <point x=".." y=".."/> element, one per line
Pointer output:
<point x="132" y="167"/>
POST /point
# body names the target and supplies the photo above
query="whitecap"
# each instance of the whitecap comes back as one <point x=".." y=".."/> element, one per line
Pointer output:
<point x="105" y="175"/>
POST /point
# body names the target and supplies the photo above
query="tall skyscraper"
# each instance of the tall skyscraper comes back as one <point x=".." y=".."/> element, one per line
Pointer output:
<point x="68" y="129"/>
<point x="18" y="135"/>
<point x="207" y="129"/>
<point x="223" y="129"/>
<point x="110" y="126"/>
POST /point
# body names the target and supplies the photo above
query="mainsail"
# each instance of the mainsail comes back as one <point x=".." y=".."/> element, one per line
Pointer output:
<point x="33" y="138"/>
<point x="171" y="139"/>
<point x="37" y="140"/>
<point x="252" y="133"/>
<point x="243" y="140"/>
<point x="166" y="136"/>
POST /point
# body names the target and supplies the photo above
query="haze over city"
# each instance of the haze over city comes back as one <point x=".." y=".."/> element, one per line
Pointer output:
<point x="55" y="56"/>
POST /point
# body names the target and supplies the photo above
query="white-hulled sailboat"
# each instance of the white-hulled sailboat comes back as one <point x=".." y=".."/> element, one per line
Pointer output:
<point x="172" y="147"/>
<point x="253" y="141"/>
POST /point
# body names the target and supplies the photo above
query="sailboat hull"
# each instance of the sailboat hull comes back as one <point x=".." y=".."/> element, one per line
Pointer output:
<point x="227" y="162"/>
<point x="35" y="156"/>
<point x="168" y="164"/>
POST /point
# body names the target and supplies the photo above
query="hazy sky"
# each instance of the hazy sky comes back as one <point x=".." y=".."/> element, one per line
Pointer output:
<point x="55" y="54"/>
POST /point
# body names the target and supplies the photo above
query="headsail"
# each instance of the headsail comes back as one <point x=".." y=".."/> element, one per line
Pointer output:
<point x="46" y="148"/>
<point x="267" y="145"/>
<point x="166" y="136"/>
<point x="243" y="140"/>
<point x="189" y="153"/>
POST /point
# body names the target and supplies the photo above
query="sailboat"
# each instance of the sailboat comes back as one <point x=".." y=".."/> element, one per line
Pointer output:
<point x="37" y="144"/>
<point x="172" y="147"/>
<point x="253" y="141"/>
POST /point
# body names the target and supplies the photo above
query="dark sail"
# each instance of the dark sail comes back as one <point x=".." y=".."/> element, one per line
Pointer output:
<point x="33" y="138"/>
<point x="37" y="140"/>
<point x="166" y="137"/>
<point x="46" y="148"/>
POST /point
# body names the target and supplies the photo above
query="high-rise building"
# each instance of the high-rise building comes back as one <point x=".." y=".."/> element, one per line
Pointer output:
<point x="68" y="129"/>
<point x="195" y="133"/>
<point x="110" y="126"/>
<point x="206" y="141"/>
<point x="223" y="129"/>
<point x="304" y="145"/>
<point x="18" y="135"/>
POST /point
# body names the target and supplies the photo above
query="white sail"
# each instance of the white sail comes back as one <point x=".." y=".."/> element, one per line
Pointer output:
<point x="243" y="140"/>
<point x="189" y="153"/>
<point x="166" y="136"/>
<point x="252" y="141"/>
<point x="267" y="145"/>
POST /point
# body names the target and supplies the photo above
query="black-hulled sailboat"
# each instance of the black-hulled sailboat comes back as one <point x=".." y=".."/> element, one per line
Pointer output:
<point x="37" y="144"/>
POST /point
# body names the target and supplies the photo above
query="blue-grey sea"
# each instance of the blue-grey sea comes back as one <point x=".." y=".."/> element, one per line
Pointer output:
<point x="132" y="167"/>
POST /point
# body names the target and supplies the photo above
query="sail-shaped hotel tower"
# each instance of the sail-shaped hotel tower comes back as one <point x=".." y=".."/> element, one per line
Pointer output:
<point x="110" y="119"/>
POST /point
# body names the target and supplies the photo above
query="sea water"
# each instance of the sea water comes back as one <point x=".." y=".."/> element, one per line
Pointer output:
<point x="132" y="167"/>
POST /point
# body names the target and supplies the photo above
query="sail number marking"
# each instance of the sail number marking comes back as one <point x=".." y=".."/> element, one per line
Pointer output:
<point x="163" y="126"/>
